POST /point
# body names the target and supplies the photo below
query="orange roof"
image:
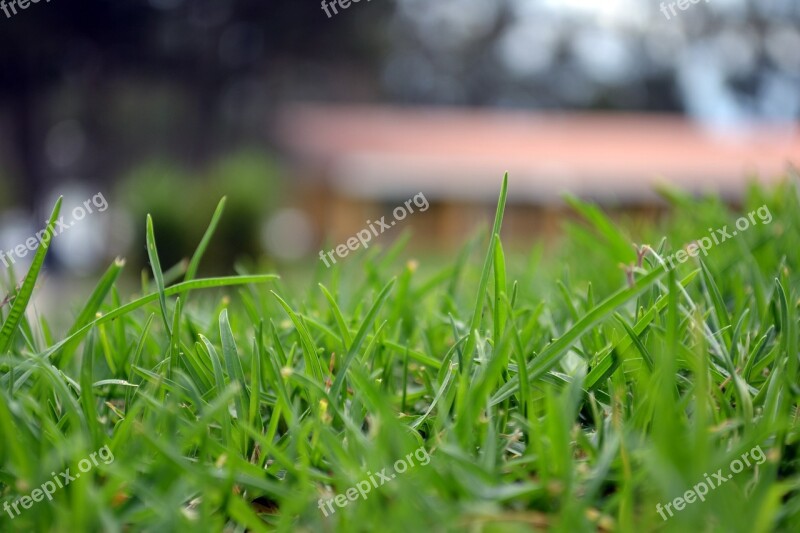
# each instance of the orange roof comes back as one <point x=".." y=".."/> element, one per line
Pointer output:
<point x="385" y="152"/>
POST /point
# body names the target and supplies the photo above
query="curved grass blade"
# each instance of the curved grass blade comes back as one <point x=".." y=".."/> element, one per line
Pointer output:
<point x="87" y="399"/>
<point x="413" y="354"/>
<point x="475" y="322"/>
<point x="235" y="371"/>
<point x="553" y="352"/>
<point x="194" y="264"/>
<point x="500" y="289"/>
<point x="480" y="297"/>
<point x="155" y="264"/>
<point x="439" y="393"/>
<point x="309" y="347"/>
<point x="524" y="384"/>
<point x="175" y="339"/>
<point x="23" y="296"/>
<point x="206" y="283"/>
<point x="221" y="385"/>
<point x="360" y="336"/>
<point x="717" y="303"/>
<point x="608" y="364"/>
<point x="337" y="313"/>
<point x="137" y="354"/>
<point x="634" y="337"/>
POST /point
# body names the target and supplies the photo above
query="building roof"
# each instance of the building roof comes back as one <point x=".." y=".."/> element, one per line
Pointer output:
<point x="387" y="152"/>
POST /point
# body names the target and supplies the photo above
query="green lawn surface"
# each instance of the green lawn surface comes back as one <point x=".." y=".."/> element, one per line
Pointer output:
<point x="596" y="388"/>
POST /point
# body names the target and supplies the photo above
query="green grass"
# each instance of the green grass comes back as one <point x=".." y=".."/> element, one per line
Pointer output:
<point x="551" y="391"/>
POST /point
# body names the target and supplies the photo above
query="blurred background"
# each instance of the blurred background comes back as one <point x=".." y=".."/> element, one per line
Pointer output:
<point x="312" y="123"/>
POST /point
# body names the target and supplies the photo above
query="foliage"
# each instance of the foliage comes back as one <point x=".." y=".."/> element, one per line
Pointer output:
<point x="578" y="407"/>
<point x="179" y="201"/>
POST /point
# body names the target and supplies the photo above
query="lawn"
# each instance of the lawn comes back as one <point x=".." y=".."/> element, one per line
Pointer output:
<point x="602" y="387"/>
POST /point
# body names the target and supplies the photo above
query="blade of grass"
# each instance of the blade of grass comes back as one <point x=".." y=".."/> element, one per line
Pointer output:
<point x="23" y="296"/>
<point x="337" y="313"/>
<point x="606" y="366"/>
<point x="155" y="265"/>
<point x="235" y="372"/>
<point x="359" y="338"/>
<point x="309" y="347"/>
<point x="477" y="311"/>
<point x="551" y="354"/>
<point x="194" y="264"/>
<point x="500" y="289"/>
<point x="206" y="283"/>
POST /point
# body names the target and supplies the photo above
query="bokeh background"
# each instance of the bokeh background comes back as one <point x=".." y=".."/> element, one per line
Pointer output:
<point x="313" y="124"/>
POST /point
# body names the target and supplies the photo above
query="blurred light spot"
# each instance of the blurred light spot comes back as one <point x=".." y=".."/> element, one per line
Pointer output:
<point x="604" y="56"/>
<point x="65" y="143"/>
<point x="15" y="229"/>
<point x="81" y="246"/>
<point x="451" y="24"/>
<point x="528" y="48"/>
<point x="288" y="234"/>
<point x="705" y="91"/>
<point x="607" y="12"/>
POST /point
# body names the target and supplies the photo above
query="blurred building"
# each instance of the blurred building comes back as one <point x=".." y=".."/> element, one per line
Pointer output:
<point x="354" y="161"/>
<point x="172" y="90"/>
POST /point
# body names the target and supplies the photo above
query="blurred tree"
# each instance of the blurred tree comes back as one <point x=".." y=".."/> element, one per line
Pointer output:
<point x="228" y="59"/>
<point x="52" y="43"/>
<point x="719" y="61"/>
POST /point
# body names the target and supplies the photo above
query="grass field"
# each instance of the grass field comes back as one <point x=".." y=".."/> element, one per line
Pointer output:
<point x="501" y="391"/>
